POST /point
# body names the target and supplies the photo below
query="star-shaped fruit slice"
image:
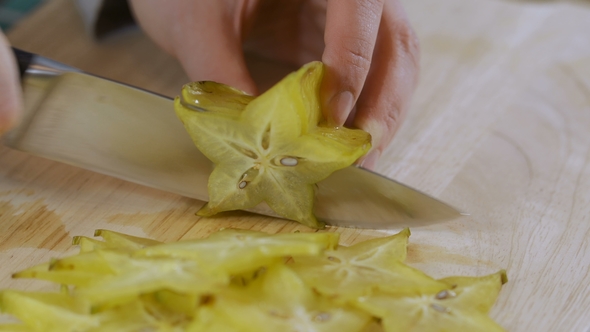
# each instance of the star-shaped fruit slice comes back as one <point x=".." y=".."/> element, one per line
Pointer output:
<point x="272" y="148"/>
<point x="77" y="270"/>
<point x="280" y="301"/>
<point x="134" y="276"/>
<point x="233" y="251"/>
<point x="462" y="306"/>
<point x="89" y="265"/>
<point x="112" y="239"/>
<point x="349" y="272"/>
<point x="50" y="312"/>
<point x="40" y="311"/>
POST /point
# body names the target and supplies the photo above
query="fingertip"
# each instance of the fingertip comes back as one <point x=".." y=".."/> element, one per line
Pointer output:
<point x="380" y="139"/>
<point x="378" y="131"/>
<point x="337" y="97"/>
<point x="370" y="160"/>
<point x="340" y="107"/>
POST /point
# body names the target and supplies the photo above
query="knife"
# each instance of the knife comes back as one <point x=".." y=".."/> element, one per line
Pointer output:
<point x="129" y="133"/>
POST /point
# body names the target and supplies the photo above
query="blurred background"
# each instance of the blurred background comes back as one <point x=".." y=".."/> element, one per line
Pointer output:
<point x="11" y="11"/>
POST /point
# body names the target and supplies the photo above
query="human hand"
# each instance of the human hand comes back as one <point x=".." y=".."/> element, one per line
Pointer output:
<point x="10" y="93"/>
<point x="369" y="49"/>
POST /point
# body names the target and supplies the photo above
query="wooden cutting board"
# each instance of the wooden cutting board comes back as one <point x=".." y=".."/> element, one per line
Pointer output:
<point x="500" y="127"/>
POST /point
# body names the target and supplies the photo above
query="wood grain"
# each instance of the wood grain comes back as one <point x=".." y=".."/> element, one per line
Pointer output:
<point x="500" y="127"/>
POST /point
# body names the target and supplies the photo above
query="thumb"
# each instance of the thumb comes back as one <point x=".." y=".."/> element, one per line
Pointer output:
<point x="10" y="93"/>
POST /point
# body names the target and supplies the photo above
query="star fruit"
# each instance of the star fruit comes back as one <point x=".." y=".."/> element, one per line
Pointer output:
<point x="280" y="301"/>
<point x="127" y="283"/>
<point x="237" y="251"/>
<point x="362" y="268"/>
<point x="272" y="148"/>
<point x="462" y="306"/>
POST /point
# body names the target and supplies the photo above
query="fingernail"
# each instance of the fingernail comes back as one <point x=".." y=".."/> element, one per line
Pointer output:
<point x="341" y="105"/>
<point x="370" y="160"/>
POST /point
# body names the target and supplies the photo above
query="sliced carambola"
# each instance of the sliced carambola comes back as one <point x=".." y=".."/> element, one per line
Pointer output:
<point x="238" y="251"/>
<point x="124" y="241"/>
<point x="77" y="270"/>
<point x="271" y="148"/>
<point x="139" y="275"/>
<point x="462" y="306"/>
<point x="50" y="312"/>
<point x="280" y="301"/>
<point x="349" y="272"/>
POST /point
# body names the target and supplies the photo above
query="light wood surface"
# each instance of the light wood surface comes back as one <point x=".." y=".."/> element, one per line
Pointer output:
<point x="500" y="128"/>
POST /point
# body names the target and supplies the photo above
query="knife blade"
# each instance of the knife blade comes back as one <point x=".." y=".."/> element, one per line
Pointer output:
<point x="129" y="133"/>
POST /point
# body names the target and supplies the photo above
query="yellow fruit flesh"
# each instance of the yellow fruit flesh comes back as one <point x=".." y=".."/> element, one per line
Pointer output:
<point x="272" y="148"/>
<point x="360" y="269"/>
<point x="238" y="280"/>
<point x="462" y="306"/>
<point x="48" y="311"/>
<point x="280" y="301"/>
<point x="239" y="251"/>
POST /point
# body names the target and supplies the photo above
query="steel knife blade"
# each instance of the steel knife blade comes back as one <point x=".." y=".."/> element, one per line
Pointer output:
<point x="132" y="134"/>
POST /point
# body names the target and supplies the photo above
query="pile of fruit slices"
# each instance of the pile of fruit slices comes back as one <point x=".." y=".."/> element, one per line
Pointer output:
<point x="239" y="280"/>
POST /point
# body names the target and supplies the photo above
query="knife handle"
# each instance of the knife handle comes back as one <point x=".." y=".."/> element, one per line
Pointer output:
<point x="23" y="59"/>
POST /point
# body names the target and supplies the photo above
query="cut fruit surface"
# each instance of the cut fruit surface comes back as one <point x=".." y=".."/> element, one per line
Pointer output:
<point x="244" y="280"/>
<point x="462" y="306"/>
<point x="280" y="301"/>
<point x="363" y="268"/>
<point x="271" y="148"/>
<point x="237" y="251"/>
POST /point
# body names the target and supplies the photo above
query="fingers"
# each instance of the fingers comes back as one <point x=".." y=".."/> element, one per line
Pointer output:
<point x="205" y="36"/>
<point x="10" y="93"/>
<point x="391" y="81"/>
<point x="350" y="35"/>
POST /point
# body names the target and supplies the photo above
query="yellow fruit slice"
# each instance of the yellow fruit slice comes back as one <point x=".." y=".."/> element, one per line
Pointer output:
<point x="238" y="280"/>
<point x="476" y="293"/>
<point x="78" y="270"/>
<point x="124" y="241"/>
<point x="268" y="148"/>
<point x="209" y="320"/>
<point x="462" y="306"/>
<point x="184" y="303"/>
<point x="88" y="244"/>
<point x="207" y="96"/>
<point x="239" y="251"/>
<point x="68" y="277"/>
<point x="359" y="269"/>
<point x="126" y="318"/>
<point x="280" y="301"/>
<point x="51" y="312"/>
<point x="135" y="276"/>
<point x="111" y="240"/>
<point x="142" y="314"/>
<point x="82" y="269"/>
<point x="92" y="262"/>
<point x="15" y="328"/>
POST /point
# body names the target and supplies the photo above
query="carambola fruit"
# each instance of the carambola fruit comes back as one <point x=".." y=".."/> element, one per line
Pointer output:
<point x="272" y="148"/>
